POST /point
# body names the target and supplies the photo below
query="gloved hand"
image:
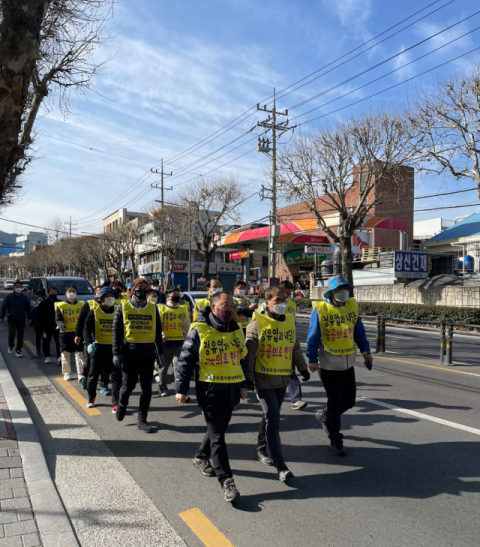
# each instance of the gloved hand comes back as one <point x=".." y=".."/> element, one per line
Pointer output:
<point x="306" y="375"/>
<point x="250" y="385"/>
<point x="117" y="361"/>
<point x="91" y="350"/>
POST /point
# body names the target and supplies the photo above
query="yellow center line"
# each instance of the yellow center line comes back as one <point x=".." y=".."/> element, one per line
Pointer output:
<point x="31" y="347"/>
<point x="209" y="534"/>
<point x="77" y="397"/>
<point x="445" y="369"/>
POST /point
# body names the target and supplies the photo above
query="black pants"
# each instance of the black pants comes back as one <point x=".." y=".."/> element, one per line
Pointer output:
<point x="133" y="368"/>
<point x="46" y="343"/>
<point x="269" y="432"/>
<point x="341" y="391"/>
<point x="116" y="375"/>
<point x="38" y="338"/>
<point x="213" y="443"/>
<point x="17" y="329"/>
<point x="100" y="365"/>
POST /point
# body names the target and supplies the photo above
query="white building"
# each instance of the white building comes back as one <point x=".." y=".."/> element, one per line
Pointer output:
<point x="426" y="229"/>
<point x="28" y="241"/>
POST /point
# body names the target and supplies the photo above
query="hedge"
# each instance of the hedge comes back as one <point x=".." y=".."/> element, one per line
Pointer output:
<point x="419" y="312"/>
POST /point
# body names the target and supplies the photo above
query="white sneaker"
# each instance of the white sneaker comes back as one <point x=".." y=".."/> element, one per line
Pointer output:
<point x="47" y="360"/>
<point x="80" y="378"/>
<point x="18" y="354"/>
<point x="10" y="351"/>
<point x="157" y="379"/>
<point x="66" y="377"/>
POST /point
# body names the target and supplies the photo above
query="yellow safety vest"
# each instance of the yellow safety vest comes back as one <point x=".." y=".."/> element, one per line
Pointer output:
<point x="172" y="321"/>
<point x="71" y="313"/>
<point x="276" y="341"/>
<point x="291" y="308"/>
<point x="92" y="303"/>
<point x="200" y="303"/>
<point x="337" y="324"/>
<point x="118" y="301"/>
<point x="242" y="319"/>
<point x="139" y="323"/>
<point x="220" y="354"/>
<point x="103" y="326"/>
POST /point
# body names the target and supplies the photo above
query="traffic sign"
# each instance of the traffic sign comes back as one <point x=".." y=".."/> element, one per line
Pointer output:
<point x="162" y="274"/>
<point x="319" y="250"/>
<point x="172" y="275"/>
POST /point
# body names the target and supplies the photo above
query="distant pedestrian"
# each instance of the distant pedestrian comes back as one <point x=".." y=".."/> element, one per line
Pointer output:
<point x="46" y="318"/>
<point x="37" y="326"/>
<point x="18" y="310"/>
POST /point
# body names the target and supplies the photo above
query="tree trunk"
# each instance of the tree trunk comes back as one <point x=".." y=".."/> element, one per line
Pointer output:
<point x="345" y="243"/>
<point x="20" y="23"/>
<point x="207" y="259"/>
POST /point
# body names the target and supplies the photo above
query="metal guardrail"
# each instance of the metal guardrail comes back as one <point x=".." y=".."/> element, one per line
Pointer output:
<point x="446" y="334"/>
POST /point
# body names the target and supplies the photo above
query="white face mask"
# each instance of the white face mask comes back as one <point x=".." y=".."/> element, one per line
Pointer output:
<point x="71" y="295"/>
<point x="154" y="300"/>
<point x="18" y="290"/>
<point x="342" y="296"/>
<point x="110" y="301"/>
<point x="240" y="293"/>
<point x="216" y="290"/>
<point x="181" y="294"/>
<point x="280" y="309"/>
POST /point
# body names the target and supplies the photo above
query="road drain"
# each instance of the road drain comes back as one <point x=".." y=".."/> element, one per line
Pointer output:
<point x="36" y="390"/>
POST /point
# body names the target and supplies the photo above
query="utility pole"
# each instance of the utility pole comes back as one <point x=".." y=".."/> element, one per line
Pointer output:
<point x="70" y="224"/>
<point x="162" y="199"/>
<point x="270" y="124"/>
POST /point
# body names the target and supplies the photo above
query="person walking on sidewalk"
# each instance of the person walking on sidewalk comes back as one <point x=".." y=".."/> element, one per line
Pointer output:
<point x="335" y="328"/>
<point x="98" y="337"/>
<point x="213" y="349"/>
<point x="18" y="310"/>
<point x="66" y="316"/>
<point x="273" y="349"/>
<point x="46" y="319"/>
<point x="38" y="327"/>
<point x="175" y="327"/>
<point x="137" y="341"/>
<point x="243" y="308"/>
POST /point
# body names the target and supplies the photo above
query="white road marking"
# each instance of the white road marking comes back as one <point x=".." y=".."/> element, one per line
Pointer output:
<point x="421" y="416"/>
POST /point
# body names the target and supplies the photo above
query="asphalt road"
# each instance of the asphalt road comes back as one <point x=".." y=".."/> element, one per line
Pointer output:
<point x="411" y="475"/>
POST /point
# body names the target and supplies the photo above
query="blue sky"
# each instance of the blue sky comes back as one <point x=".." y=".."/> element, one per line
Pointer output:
<point x="182" y="70"/>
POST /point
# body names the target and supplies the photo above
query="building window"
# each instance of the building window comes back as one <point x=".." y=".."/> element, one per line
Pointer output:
<point x="364" y="180"/>
<point x="264" y="260"/>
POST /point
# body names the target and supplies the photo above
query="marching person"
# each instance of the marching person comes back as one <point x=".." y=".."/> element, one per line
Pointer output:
<point x="97" y="335"/>
<point x="243" y="308"/>
<point x="155" y="286"/>
<point x="175" y="327"/>
<point x="213" y="349"/>
<point x="46" y="319"/>
<point x="137" y="341"/>
<point x="38" y="327"/>
<point x="19" y="311"/>
<point x="214" y="286"/>
<point x="294" y="388"/>
<point x="273" y="349"/>
<point x="335" y="328"/>
<point x="66" y="316"/>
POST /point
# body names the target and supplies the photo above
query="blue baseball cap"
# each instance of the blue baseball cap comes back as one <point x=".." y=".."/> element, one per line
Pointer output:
<point x="334" y="283"/>
<point x="106" y="290"/>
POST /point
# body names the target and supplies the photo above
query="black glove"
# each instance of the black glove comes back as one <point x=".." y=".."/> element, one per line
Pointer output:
<point x="117" y="361"/>
<point x="306" y="375"/>
<point x="250" y="385"/>
<point x="369" y="366"/>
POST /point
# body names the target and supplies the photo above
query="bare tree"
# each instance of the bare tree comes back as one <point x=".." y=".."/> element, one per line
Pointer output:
<point x="55" y="229"/>
<point x="212" y="203"/>
<point x="447" y="119"/>
<point x="47" y="49"/>
<point x="172" y="225"/>
<point x="335" y="171"/>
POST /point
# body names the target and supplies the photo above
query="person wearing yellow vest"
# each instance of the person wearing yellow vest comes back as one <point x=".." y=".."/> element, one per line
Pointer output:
<point x="244" y="309"/>
<point x="175" y="325"/>
<point x="98" y="334"/>
<point x="214" y="349"/>
<point x="137" y="342"/>
<point x="273" y="349"/>
<point x="66" y="317"/>
<point x="335" y="329"/>
<point x="214" y="286"/>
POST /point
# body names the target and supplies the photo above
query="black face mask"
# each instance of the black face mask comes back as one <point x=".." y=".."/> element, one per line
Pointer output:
<point x="141" y="294"/>
<point x="175" y="299"/>
<point x="52" y="297"/>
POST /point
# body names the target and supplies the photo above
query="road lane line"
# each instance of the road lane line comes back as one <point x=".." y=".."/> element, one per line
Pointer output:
<point x="77" y="397"/>
<point x="209" y="534"/>
<point x="422" y="416"/>
<point x="31" y="347"/>
<point x="423" y="365"/>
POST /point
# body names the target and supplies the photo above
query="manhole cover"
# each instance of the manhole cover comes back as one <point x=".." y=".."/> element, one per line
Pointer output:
<point x="36" y="390"/>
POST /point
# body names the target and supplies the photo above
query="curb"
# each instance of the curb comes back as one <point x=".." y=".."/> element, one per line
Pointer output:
<point x="53" y="523"/>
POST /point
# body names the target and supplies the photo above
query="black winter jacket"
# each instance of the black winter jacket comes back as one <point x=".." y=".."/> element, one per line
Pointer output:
<point x="81" y="320"/>
<point x="45" y="315"/>
<point x="208" y="394"/>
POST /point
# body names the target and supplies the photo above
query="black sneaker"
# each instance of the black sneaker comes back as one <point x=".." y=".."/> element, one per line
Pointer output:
<point x="163" y="391"/>
<point x="337" y="449"/>
<point x="144" y="426"/>
<point x="263" y="458"/>
<point x="121" y="411"/>
<point x="230" y="490"/>
<point x="284" y="474"/>
<point x="205" y="466"/>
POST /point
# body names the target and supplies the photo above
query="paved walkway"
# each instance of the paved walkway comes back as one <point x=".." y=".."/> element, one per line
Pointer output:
<point x="18" y="526"/>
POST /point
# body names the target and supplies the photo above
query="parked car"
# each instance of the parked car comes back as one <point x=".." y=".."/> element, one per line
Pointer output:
<point x="8" y="285"/>
<point x="25" y="283"/>
<point x="38" y="286"/>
